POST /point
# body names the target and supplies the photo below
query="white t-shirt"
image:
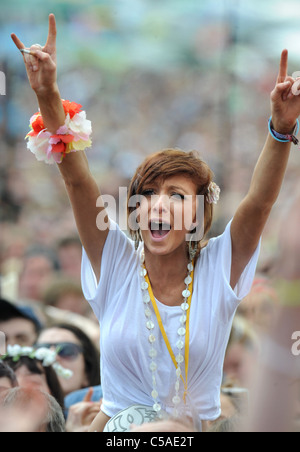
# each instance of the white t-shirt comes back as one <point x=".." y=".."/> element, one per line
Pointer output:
<point x="118" y="305"/>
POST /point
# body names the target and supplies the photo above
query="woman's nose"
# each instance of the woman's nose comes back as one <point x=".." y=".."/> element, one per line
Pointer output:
<point x="160" y="203"/>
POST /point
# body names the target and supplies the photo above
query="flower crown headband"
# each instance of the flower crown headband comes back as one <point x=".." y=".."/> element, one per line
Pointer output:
<point x="46" y="356"/>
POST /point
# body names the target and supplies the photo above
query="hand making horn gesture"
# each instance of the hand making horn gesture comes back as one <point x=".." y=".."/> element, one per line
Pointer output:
<point x="285" y="99"/>
<point x="40" y="61"/>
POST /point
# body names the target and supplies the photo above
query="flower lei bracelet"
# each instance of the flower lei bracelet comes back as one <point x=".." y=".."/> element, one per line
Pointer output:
<point x="73" y="136"/>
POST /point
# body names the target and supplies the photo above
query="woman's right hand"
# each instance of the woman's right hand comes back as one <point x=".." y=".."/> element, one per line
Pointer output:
<point x="82" y="188"/>
<point x="41" y="63"/>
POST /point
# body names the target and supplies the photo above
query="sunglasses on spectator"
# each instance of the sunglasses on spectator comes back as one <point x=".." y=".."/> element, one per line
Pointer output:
<point x="65" y="350"/>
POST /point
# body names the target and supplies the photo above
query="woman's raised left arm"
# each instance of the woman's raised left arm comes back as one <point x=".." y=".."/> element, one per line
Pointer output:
<point x="253" y="213"/>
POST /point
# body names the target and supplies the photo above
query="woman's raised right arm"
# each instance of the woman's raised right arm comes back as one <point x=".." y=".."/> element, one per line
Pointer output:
<point x="82" y="188"/>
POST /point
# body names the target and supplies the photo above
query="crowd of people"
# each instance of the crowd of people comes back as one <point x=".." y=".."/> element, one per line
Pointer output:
<point x="50" y="312"/>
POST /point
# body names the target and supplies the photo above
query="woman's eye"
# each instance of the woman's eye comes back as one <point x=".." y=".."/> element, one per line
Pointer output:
<point x="148" y="192"/>
<point x="177" y="196"/>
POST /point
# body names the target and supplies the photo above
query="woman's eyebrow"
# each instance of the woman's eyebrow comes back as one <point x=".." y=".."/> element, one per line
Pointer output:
<point x="174" y="187"/>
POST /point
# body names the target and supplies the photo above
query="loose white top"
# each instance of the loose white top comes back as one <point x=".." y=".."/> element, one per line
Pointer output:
<point x="118" y="305"/>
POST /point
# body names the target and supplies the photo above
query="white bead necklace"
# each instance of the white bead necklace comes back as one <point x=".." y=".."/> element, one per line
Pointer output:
<point x="181" y="344"/>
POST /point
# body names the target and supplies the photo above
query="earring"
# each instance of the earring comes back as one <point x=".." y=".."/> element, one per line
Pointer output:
<point x="193" y="249"/>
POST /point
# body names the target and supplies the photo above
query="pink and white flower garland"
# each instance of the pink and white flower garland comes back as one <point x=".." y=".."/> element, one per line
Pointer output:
<point x="73" y="136"/>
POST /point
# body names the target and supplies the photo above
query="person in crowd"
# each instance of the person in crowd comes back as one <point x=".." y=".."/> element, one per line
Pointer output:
<point x="69" y="253"/>
<point x="19" y="323"/>
<point x="39" y="267"/>
<point x="81" y="414"/>
<point x="234" y="424"/>
<point x="33" y="368"/>
<point x="43" y="413"/>
<point x="93" y="394"/>
<point x="259" y="306"/>
<point x="275" y="386"/>
<point x="8" y="379"/>
<point x="289" y="244"/>
<point x="241" y="354"/>
<point x="75" y="352"/>
<point x="66" y="294"/>
<point x="166" y="299"/>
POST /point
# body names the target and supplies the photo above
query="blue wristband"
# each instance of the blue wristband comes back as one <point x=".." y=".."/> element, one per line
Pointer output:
<point x="284" y="138"/>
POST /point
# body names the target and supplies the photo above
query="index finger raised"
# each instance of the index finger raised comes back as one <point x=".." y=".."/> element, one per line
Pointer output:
<point x="19" y="44"/>
<point x="89" y="395"/>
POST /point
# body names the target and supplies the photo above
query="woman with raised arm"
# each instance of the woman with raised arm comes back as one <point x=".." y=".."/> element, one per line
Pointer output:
<point x="82" y="189"/>
<point x="165" y="304"/>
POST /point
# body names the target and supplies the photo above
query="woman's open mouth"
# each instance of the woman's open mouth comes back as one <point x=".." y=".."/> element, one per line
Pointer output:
<point x="159" y="230"/>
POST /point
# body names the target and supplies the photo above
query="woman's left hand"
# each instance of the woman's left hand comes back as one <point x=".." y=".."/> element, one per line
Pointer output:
<point x="284" y="101"/>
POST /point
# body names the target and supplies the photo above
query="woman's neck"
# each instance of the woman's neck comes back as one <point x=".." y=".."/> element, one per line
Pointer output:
<point x="166" y="271"/>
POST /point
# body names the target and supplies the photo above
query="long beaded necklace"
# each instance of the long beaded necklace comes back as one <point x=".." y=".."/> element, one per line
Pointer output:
<point x="183" y="337"/>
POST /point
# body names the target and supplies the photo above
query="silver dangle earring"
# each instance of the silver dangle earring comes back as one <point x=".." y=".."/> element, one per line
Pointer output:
<point x="193" y="249"/>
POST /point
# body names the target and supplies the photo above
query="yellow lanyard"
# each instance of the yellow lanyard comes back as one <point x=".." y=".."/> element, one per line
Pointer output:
<point x="164" y="334"/>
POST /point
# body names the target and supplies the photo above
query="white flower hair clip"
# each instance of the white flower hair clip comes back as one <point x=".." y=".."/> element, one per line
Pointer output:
<point x="46" y="356"/>
<point x="213" y="193"/>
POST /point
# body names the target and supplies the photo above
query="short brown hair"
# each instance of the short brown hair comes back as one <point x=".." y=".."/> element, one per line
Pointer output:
<point x="167" y="163"/>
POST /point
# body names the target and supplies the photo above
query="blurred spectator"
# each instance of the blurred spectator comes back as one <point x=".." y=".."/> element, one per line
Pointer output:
<point x="69" y="253"/>
<point x="19" y="324"/>
<point x="66" y="294"/>
<point x="289" y="244"/>
<point x="77" y="353"/>
<point x="39" y="267"/>
<point x="241" y="354"/>
<point x="234" y="405"/>
<point x="12" y="191"/>
<point x="232" y="424"/>
<point x="93" y="394"/>
<point x="260" y="305"/>
<point x="8" y="379"/>
<point x="30" y="410"/>
<point x="90" y="326"/>
<point x="31" y="373"/>
<point x="82" y="414"/>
